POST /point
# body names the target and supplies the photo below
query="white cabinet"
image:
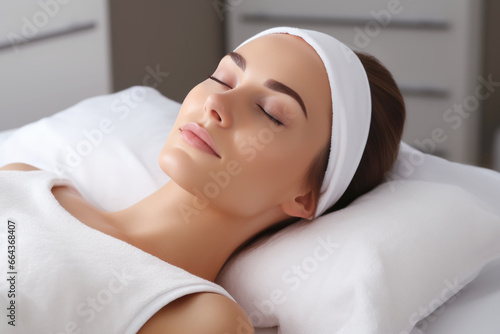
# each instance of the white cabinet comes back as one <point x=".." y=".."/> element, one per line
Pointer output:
<point x="431" y="47"/>
<point x="53" y="53"/>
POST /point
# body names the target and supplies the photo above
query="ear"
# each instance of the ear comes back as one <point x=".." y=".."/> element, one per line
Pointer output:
<point x="300" y="206"/>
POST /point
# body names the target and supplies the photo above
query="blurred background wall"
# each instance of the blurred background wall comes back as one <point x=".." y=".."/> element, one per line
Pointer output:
<point x="434" y="50"/>
<point x="182" y="38"/>
<point x="489" y="145"/>
<point x="53" y="53"/>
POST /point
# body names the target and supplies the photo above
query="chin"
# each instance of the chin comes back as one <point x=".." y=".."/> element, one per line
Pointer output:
<point x="182" y="168"/>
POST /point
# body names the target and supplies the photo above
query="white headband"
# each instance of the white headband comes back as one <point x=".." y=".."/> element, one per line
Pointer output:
<point x="351" y="110"/>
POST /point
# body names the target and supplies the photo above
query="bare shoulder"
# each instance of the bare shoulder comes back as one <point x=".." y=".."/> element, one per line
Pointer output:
<point x="200" y="313"/>
<point x="18" y="166"/>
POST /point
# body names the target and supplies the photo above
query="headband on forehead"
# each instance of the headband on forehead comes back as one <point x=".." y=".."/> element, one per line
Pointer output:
<point x="351" y="110"/>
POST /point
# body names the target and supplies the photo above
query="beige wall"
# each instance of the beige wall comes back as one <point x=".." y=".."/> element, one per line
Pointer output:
<point x="183" y="38"/>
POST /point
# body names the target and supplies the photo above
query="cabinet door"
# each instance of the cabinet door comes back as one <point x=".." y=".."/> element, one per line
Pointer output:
<point x="53" y="54"/>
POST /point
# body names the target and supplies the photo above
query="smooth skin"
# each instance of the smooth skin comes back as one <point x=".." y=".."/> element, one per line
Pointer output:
<point x="266" y="144"/>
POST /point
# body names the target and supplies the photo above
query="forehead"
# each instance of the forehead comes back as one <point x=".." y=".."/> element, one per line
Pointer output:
<point x="289" y="59"/>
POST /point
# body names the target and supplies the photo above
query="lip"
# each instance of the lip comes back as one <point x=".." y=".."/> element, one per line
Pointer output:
<point x="198" y="137"/>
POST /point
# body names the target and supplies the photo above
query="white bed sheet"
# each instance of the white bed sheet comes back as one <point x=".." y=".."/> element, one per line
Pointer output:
<point x="474" y="310"/>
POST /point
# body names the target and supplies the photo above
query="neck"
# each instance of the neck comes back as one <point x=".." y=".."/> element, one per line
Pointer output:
<point x="169" y="226"/>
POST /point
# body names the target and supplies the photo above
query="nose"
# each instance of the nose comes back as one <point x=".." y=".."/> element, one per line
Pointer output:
<point x="217" y="107"/>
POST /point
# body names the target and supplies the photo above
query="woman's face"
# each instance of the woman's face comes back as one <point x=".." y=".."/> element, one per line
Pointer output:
<point x="245" y="138"/>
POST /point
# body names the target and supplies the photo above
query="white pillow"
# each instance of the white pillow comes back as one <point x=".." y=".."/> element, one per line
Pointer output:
<point x="108" y="146"/>
<point x="378" y="266"/>
<point x="4" y="135"/>
<point x="393" y="256"/>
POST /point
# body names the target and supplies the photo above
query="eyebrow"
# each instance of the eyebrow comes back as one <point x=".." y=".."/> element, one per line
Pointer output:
<point x="238" y="60"/>
<point x="272" y="84"/>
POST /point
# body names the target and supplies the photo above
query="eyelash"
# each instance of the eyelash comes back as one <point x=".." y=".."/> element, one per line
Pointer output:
<point x="218" y="81"/>
<point x="271" y="118"/>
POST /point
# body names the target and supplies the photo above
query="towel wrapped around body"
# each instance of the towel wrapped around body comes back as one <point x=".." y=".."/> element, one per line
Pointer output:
<point x="65" y="277"/>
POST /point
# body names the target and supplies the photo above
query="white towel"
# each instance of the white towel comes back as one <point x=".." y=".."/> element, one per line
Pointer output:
<point x="67" y="277"/>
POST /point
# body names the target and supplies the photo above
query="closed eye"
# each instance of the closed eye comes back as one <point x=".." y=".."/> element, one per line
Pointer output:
<point x="271" y="118"/>
<point x="268" y="115"/>
<point x="219" y="81"/>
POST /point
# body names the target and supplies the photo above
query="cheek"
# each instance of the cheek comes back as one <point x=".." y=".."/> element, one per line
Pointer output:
<point x="268" y="175"/>
<point x="195" y="98"/>
<point x="240" y="185"/>
<point x="279" y="171"/>
<point x="193" y="101"/>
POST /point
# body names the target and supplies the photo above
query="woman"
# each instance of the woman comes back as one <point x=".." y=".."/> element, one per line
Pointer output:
<point x="289" y="126"/>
